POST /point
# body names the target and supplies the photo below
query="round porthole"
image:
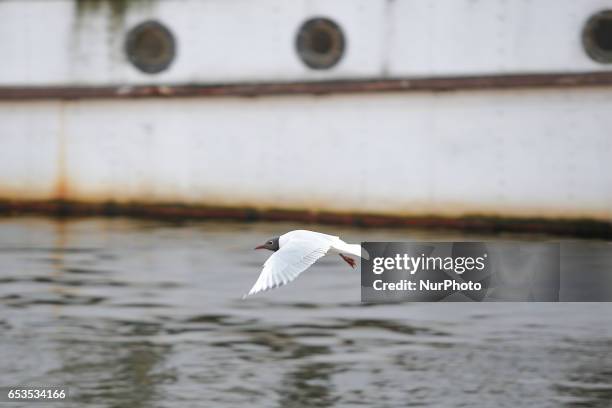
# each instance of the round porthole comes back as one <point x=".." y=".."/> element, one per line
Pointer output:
<point x="150" y="47"/>
<point x="597" y="36"/>
<point x="320" y="43"/>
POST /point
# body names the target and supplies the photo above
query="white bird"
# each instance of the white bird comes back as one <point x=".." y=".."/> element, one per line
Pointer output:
<point x="296" y="251"/>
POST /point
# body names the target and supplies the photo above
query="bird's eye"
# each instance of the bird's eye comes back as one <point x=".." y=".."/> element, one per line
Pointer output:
<point x="270" y="242"/>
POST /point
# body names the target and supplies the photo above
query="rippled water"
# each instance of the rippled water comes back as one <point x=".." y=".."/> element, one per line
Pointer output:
<point x="135" y="313"/>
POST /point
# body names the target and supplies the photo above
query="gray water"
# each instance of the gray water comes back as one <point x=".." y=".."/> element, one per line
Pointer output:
<point x="132" y="313"/>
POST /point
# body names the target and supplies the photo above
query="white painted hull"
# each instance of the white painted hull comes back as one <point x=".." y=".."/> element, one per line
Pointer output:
<point x="495" y="151"/>
<point x="507" y="153"/>
<point x="221" y="41"/>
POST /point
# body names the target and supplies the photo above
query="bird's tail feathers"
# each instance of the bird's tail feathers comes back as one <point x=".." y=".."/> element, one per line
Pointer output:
<point x="353" y="249"/>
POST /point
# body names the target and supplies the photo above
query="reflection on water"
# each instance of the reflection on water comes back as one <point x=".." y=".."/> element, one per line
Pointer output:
<point x="143" y="314"/>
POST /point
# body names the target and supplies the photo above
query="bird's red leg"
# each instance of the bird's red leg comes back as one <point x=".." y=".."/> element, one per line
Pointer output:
<point x="348" y="260"/>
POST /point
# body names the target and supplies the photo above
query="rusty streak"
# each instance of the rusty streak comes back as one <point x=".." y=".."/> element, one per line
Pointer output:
<point x="585" y="228"/>
<point x="437" y="84"/>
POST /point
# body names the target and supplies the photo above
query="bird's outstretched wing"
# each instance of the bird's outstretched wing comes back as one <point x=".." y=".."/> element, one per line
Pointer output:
<point x="287" y="263"/>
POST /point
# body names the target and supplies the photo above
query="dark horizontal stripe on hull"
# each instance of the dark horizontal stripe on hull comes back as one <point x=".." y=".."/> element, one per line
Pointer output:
<point x="437" y="84"/>
<point x="577" y="227"/>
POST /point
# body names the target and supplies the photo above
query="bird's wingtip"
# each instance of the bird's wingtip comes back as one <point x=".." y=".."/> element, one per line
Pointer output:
<point x="246" y="295"/>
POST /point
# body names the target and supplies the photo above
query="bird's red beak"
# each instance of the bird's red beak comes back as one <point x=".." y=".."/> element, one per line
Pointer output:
<point x="260" y="247"/>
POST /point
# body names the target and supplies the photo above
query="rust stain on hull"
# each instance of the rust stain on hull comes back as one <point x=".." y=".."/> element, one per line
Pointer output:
<point x="431" y="84"/>
<point x="584" y="228"/>
<point x="61" y="184"/>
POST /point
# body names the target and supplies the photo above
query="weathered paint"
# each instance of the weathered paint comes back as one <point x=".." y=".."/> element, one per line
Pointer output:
<point x="372" y="141"/>
<point x="242" y="41"/>
<point x="118" y="8"/>
<point x="436" y="84"/>
<point x="530" y="154"/>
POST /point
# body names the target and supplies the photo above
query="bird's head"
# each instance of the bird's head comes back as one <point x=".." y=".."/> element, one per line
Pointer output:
<point x="271" y="244"/>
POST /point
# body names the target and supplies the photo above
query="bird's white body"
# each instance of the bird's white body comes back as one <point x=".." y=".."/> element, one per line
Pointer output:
<point x="335" y="243"/>
<point x="298" y="250"/>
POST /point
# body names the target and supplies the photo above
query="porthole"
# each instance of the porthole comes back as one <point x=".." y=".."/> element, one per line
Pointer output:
<point x="150" y="47"/>
<point x="320" y="43"/>
<point x="597" y="36"/>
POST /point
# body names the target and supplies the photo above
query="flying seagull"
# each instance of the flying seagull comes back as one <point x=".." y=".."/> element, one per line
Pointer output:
<point x="296" y="251"/>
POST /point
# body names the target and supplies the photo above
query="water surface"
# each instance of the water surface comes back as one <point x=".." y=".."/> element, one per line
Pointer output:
<point x="133" y="313"/>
